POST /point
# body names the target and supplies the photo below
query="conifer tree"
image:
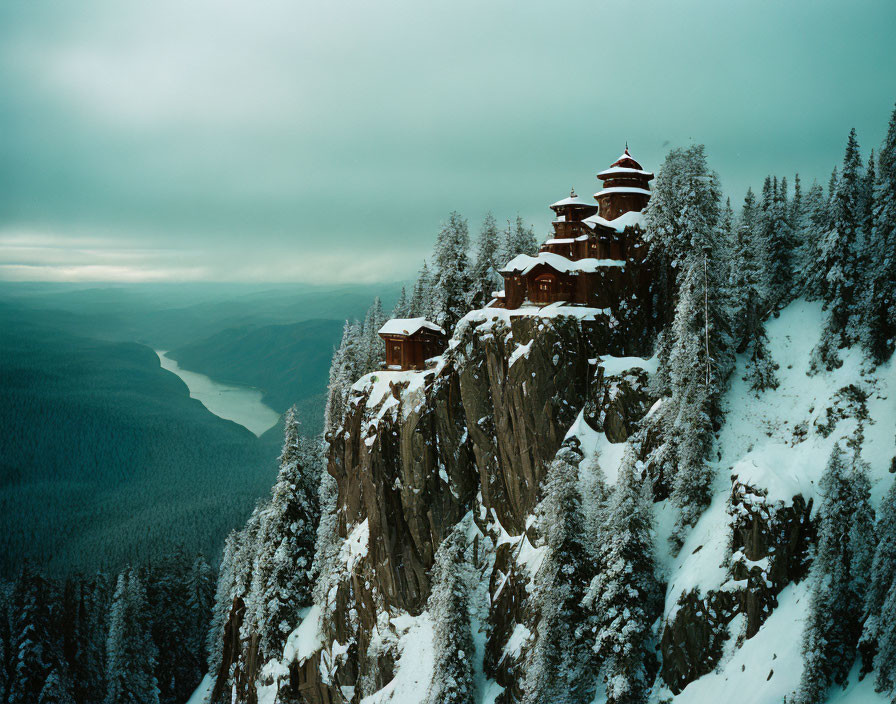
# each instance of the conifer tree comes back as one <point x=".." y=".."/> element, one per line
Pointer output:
<point x="519" y="238"/>
<point x="57" y="689"/>
<point x="881" y="582"/>
<point x="558" y="662"/>
<point x="683" y="219"/>
<point x="421" y="297"/>
<point x="449" y="609"/>
<point x="869" y="181"/>
<point x="130" y="651"/>
<point x="833" y="624"/>
<point x="200" y="602"/>
<point x="484" y="277"/>
<point x="372" y="348"/>
<point x="748" y="259"/>
<point x="327" y="542"/>
<point x="696" y="381"/>
<point x="813" y="225"/>
<point x="224" y="592"/>
<point x="83" y="625"/>
<point x="452" y="271"/>
<point x="880" y="300"/>
<point x="796" y="211"/>
<point x="779" y="247"/>
<point x="839" y="254"/>
<point x="34" y="653"/>
<point x="177" y="671"/>
<point x="281" y="575"/>
<point x="748" y="307"/>
<point x="402" y="307"/>
<point x="345" y="369"/>
<point x="885" y="660"/>
<point x="623" y="596"/>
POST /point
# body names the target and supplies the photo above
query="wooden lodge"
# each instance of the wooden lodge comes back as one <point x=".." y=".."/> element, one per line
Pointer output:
<point x="411" y="341"/>
<point x="585" y="259"/>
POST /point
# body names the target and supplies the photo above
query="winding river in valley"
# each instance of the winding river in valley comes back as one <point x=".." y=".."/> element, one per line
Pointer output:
<point x="241" y="404"/>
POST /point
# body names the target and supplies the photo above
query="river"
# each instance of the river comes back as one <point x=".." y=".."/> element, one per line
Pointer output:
<point x="241" y="404"/>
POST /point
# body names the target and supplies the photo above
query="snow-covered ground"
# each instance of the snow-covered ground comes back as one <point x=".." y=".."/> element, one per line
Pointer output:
<point x="774" y="441"/>
<point x="777" y="441"/>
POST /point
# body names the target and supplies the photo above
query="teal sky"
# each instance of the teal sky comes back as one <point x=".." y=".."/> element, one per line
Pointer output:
<point x="324" y="142"/>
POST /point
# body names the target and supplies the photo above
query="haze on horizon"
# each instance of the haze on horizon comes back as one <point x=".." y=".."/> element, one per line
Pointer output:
<point x="325" y="142"/>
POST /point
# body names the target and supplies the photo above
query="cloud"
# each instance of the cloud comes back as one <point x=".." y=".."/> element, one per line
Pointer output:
<point x="226" y="139"/>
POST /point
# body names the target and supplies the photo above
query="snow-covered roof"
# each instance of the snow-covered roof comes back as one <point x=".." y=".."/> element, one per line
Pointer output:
<point x="624" y="171"/>
<point x="572" y="200"/>
<point x="523" y="264"/>
<point x="621" y="189"/>
<point x="627" y="159"/>
<point x="408" y="326"/>
<point x="629" y="219"/>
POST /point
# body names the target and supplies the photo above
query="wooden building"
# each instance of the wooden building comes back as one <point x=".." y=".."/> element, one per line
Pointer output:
<point x="411" y="341"/>
<point x="585" y="259"/>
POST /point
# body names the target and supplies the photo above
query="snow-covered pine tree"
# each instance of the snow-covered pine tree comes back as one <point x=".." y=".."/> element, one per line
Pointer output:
<point x="421" y="297"/>
<point x="885" y="660"/>
<point x="812" y="225"/>
<point x="281" y="576"/>
<point x="200" y="602"/>
<point x="880" y="299"/>
<point x="557" y="665"/>
<point x="224" y="591"/>
<point x="748" y="276"/>
<point x="177" y="671"/>
<point x="484" y="277"/>
<point x="623" y="597"/>
<point x="327" y="542"/>
<point x="840" y="257"/>
<point x="868" y="183"/>
<point x="83" y="631"/>
<point x="519" y="238"/>
<point x="748" y="306"/>
<point x="34" y="653"/>
<point x="779" y="247"/>
<point x="697" y="382"/>
<point x="57" y="689"/>
<point x="130" y="651"/>
<point x="449" y="609"/>
<point x="682" y="223"/>
<point x="345" y="369"/>
<point x="833" y="624"/>
<point x="402" y="305"/>
<point x="881" y="583"/>
<point x="452" y="271"/>
<point x="373" y="349"/>
<point x="796" y="211"/>
<point x="595" y="498"/>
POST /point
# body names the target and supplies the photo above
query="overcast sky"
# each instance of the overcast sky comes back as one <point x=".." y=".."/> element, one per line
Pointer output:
<point x="324" y="142"/>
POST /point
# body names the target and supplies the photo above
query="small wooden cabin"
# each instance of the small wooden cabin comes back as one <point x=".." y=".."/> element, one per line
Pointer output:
<point x="411" y="341"/>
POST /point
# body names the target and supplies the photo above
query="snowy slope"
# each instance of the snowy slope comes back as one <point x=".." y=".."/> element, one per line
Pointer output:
<point x="775" y="441"/>
<point x="778" y="442"/>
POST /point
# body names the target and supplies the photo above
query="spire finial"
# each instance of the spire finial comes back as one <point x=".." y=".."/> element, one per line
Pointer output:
<point x="572" y="192"/>
<point x="626" y="147"/>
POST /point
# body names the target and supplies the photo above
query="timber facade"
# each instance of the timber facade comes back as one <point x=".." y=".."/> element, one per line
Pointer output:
<point x="596" y="249"/>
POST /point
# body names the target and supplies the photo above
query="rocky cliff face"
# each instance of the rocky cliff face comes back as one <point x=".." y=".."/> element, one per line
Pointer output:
<point x="474" y="435"/>
<point x="419" y="450"/>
